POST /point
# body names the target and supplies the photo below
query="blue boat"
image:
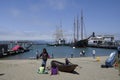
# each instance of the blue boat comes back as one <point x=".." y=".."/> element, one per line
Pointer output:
<point x="111" y="59"/>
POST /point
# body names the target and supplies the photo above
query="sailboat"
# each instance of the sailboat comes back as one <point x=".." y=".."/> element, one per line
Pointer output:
<point x="79" y="43"/>
<point x="59" y="37"/>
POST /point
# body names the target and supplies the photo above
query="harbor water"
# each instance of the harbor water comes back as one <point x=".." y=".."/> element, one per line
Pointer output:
<point x="61" y="52"/>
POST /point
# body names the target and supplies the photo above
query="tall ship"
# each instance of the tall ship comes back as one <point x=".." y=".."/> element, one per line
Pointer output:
<point x="76" y="42"/>
<point x="59" y="37"/>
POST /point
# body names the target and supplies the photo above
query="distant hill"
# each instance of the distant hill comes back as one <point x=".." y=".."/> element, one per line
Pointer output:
<point x="31" y="41"/>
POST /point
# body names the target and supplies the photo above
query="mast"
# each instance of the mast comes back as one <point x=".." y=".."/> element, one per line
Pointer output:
<point x="74" y="31"/>
<point x="57" y="33"/>
<point x="61" y="31"/>
<point x="77" y="28"/>
<point x="81" y="25"/>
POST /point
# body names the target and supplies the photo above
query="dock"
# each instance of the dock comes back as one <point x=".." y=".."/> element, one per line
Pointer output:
<point x="103" y="46"/>
<point x="14" y="48"/>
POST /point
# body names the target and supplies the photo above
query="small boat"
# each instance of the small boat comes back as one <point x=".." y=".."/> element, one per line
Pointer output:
<point x="63" y="67"/>
<point x="111" y="59"/>
<point x="4" y="51"/>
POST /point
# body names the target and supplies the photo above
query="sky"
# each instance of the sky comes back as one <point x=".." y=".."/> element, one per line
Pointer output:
<point x="37" y="19"/>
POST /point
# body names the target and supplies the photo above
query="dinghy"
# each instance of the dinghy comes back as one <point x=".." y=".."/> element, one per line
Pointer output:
<point x="63" y="67"/>
<point x="111" y="59"/>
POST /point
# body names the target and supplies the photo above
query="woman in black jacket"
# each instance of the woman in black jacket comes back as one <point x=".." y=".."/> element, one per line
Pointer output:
<point x="44" y="56"/>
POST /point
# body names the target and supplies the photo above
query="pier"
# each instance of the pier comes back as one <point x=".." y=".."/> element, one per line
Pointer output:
<point x="104" y="46"/>
<point x="14" y="47"/>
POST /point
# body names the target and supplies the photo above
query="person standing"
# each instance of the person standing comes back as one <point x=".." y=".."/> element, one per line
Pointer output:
<point x="93" y="53"/>
<point x="37" y="54"/>
<point x="52" y="55"/>
<point x="72" y="55"/>
<point x="44" y="56"/>
<point x="83" y="52"/>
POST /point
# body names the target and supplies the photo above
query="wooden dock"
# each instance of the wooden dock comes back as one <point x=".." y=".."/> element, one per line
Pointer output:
<point x="10" y="53"/>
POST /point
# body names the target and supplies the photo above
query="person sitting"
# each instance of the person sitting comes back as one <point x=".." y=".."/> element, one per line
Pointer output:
<point x="54" y="69"/>
<point x="67" y="62"/>
<point x="41" y="69"/>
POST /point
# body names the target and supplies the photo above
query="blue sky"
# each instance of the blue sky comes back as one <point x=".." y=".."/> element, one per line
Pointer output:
<point x="37" y="19"/>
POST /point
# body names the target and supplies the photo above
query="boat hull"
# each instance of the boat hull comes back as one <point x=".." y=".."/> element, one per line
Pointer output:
<point x="81" y="43"/>
<point x="111" y="59"/>
<point x="65" y="68"/>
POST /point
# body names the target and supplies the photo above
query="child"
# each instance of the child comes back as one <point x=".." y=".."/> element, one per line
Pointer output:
<point x="67" y="62"/>
<point x="41" y="69"/>
<point x="54" y="69"/>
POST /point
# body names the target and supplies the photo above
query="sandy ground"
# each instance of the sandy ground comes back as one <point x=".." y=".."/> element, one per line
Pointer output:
<point x="88" y="69"/>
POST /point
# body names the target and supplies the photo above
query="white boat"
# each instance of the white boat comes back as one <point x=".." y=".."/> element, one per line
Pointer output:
<point x="101" y="40"/>
<point x="111" y="59"/>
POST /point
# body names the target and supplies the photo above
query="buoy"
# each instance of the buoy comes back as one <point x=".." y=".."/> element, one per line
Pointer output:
<point x="98" y="59"/>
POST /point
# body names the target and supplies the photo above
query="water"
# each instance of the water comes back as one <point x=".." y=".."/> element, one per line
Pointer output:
<point x="61" y="52"/>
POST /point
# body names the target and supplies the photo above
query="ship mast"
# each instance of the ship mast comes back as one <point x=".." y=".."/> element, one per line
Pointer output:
<point x="81" y="25"/>
<point x="59" y="32"/>
<point x="77" y="28"/>
<point x="74" y="31"/>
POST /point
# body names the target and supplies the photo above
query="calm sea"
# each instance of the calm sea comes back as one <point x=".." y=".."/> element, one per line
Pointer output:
<point x="61" y="52"/>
